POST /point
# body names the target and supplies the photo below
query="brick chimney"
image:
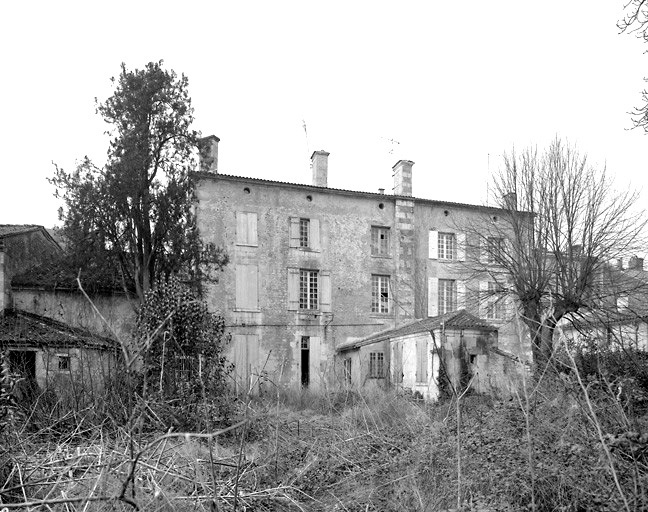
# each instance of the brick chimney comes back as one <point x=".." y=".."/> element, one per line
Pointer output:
<point x="403" y="178"/>
<point x="319" y="165"/>
<point x="208" y="148"/>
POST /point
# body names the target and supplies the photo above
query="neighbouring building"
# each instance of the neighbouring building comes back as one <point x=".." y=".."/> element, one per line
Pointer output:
<point x="48" y="354"/>
<point x="313" y="270"/>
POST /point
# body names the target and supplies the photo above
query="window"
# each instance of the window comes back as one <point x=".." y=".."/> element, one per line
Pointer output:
<point x="63" y="362"/>
<point x="379" y="294"/>
<point x="305" y="233"/>
<point x="308" y="290"/>
<point x="376" y="365"/>
<point x="347" y="371"/>
<point x="495" y="249"/>
<point x="421" y="360"/>
<point x="447" y="295"/>
<point x="379" y="241"/>
<point x="246" y="228"/>
<point x="495" y="306"/>
<point x="247" y="287"/>
<point x="447" y="246"/>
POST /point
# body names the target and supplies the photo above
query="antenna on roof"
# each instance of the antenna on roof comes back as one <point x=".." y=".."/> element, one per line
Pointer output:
<point x="306" y="135"/>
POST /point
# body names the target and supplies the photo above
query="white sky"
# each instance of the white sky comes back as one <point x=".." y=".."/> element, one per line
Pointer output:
<point x="451" y="81"/>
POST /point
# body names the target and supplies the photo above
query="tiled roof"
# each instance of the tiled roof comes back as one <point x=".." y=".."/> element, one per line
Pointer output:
<point x="455" y="320"/>
<point x="19" y="328"/>
<point x="211" y="175"/>
<point x="17" y="229"/>
<point x="60" y="274"/>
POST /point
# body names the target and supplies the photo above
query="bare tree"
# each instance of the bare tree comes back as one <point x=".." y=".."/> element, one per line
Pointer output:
<point x="635" y="21"/>
<point x="550" y="250"/>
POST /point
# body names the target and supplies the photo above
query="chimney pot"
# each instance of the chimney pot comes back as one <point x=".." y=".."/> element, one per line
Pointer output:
<point x="319" y="165"/>
<point x="208" y="150"/>
<point x="636" y="263"/>
<point x="381" y="190"/>
<point x="403" y="178"/>
<point x="509" y="201"/>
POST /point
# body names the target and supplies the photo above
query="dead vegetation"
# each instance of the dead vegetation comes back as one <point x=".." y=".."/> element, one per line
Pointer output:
<point x="350" y="452"/>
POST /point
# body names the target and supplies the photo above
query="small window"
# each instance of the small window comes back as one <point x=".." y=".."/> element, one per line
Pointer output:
<point x="347" y="371"/>
<point x="63" y="362"/>
<point x="447" y="296"/>
<point x="379" y="294"/>
<point x="376" y="365"/>
<point x="305" y="342"/>
<point x="379" y="241"/>
<point x="447" y="246"/>
<point x="308" y="291"/>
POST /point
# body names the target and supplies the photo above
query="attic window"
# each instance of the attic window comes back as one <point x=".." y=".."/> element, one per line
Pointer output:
<point x="446" y="212"/>
<point x="246" y="190"/>
<point x="309" y="198"/>
<point x="381" y="206"/>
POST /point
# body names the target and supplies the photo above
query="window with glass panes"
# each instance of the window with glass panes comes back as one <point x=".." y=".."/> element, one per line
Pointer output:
<point x="447" y="295"/>
<point x="495" y="307"/>
<point x="304" y="232"/>
<point x="379" y="241"/>
<point x="447" y="246"/>
<point x="376" y="365"/>
<point x="495" y="249"/>
<point x="308" y="296"/>
<point x="379" y="294"/>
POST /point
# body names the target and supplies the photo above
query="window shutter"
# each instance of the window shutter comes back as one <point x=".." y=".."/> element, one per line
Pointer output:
<point x="241" y="287"/>
<point x="314" y="240"/>
<point x="325" y="291"/>
<point x="434" y="245"/>
<point x="314" y="356"/>
<point x="293" y="289"/>
<point x="483" y="298"/>
<point x="461" y="295"/>
<point x="461" y="246"/>
<point x="433" y="296"/>
<point x="239" y="357"/>
<point x="252" y="229"/>
<point x="421" y="360"/>
<point x="252" y="345"/>
<point x="397" y="367"/>
<point x="252" y="286"/>
<point x="294" y="232"/>
<point x="241" y="228"/>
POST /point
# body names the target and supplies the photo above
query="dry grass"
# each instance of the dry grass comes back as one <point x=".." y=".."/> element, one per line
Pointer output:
<point x="350" y="452"/>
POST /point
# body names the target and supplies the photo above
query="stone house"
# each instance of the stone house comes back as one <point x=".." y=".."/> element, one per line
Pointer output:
<point x="313" y="268"/>
<point x="41" y="326"/>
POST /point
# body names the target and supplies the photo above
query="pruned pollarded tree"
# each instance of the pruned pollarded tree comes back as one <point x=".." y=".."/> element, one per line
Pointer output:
<point x="550" y="251"/>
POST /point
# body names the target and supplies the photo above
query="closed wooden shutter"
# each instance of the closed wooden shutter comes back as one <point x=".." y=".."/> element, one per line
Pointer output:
<point x="293" y="289"/>
<point x="433" y="296"/>
<point x="252" y="229"/>
<point x="247" y="286"/>
<point x="421" y="360"/>
<point x="314" y="241"/>
<point x="325" y="291"/>
<point x="434" y="245"/>
<point x="294" y="232"/>
<point x="241" y="228"/>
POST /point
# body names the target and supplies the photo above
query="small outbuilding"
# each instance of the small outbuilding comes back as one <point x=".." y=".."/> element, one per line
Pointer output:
<point x="447" y="350"/>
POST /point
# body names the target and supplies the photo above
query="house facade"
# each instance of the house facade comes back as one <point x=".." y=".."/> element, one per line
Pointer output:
<point x="314" y="268"/>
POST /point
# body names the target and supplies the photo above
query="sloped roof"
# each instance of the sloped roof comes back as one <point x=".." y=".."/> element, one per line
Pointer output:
<point x="59" y="274"/>
<point x="205" y="175"/>
<point x="454" y="320"/>
<point x="19" y="328"/>
<point x="7" y="230"/>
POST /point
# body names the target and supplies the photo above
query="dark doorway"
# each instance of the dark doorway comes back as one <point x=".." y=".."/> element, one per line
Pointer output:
<point x="305" y="361"/>
<point x="23" y="362"/>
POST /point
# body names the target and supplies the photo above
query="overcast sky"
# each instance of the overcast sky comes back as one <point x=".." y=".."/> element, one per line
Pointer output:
<point x="452" y="82"/>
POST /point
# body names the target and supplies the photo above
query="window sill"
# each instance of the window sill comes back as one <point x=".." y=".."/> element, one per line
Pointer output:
<point x="305" y="249"/>
<point x="382" y="256"/>
<point x="246" y="310"/>
<point x="247" y="245"/>
<point x="381" y="315"/>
